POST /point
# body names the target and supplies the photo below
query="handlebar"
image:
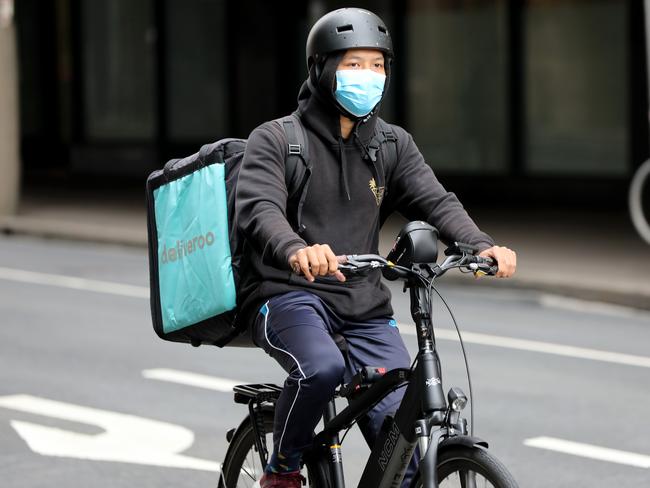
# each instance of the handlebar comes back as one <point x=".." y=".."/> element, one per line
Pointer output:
<point x="363" y="263"/>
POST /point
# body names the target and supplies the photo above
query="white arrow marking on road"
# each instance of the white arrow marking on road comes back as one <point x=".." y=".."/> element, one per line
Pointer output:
<point x="127" y="438"/>
<point x="537" y="346"/>
<point x="589" y="451"/>
<point x="74" y="283"/>
<point x="192" y="379"/>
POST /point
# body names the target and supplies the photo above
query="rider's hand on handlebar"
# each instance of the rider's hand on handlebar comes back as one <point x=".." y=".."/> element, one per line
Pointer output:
<point x="505" y="258"/>
<point x="316" y="260"/>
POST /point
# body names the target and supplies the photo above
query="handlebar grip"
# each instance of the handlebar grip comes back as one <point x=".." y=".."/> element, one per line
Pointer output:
<point x="483" y="265"/>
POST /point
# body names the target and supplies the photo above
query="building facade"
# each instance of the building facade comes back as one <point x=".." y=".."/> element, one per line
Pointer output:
<point x="546" y="99"/>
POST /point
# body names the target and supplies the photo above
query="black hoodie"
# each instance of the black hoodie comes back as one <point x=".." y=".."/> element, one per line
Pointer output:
<point x="345" y="207"/>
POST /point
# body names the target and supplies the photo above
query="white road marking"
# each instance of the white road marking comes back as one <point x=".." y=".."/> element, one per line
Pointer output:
<point x="537" y="346"/>
<point x="446" y="334"/>
<point x="590" y="451"/>
<point x="74" y="283"/>
<point x="126" y="438"/>
<point x="192" y="379"/>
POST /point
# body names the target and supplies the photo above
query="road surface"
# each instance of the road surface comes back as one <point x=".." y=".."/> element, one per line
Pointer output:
<point x="89" y="396"/>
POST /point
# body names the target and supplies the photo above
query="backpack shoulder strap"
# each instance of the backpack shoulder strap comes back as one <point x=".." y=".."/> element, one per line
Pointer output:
<point x="297" y="165"/>
<point x="387" y="144"/>
<point x="297" y="161"/>
<point x="384" y="143"/>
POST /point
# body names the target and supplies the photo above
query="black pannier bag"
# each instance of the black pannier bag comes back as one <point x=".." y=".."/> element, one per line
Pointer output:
<point x="195" y="248"/>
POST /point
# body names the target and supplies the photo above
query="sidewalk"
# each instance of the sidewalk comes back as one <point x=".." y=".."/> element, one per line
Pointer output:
<point x="592" y="256"/>
<point x="81" y="216"/>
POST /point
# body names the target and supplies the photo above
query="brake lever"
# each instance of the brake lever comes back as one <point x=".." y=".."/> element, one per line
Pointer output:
<point x="487" y="268"/>
<point x="361" y="264"/>
<point x="355" y="268"/>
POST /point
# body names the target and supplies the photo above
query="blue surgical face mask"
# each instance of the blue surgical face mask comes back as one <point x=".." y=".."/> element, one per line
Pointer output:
<point x="359" y="90"/>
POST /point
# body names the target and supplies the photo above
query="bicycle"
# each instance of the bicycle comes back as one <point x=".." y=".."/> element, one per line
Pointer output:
<point x="636" y="201"/>
<point x="449" y="454"/>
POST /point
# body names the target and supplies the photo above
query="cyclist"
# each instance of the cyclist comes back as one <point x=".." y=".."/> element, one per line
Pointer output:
<point x="349" y="56"/>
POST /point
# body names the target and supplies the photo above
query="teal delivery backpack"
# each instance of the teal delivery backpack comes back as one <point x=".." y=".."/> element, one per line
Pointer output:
<point x="195" y="247"/>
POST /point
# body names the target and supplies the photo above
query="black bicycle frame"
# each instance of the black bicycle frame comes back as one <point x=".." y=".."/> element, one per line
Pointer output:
<point x="424" y="405"/>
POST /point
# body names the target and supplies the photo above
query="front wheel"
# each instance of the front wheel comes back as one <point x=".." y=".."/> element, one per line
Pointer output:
<point x="470" y="467"/>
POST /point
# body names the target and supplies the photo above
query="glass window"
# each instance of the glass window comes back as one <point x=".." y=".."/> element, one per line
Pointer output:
<point x="196" y="70"/>
<point x="576" y="87"/>
<point x="456" y="83"/>
<point x="118" y="65"/>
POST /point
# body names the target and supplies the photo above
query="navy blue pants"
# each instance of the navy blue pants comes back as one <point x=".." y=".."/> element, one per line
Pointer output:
<point x="296" y="330"/>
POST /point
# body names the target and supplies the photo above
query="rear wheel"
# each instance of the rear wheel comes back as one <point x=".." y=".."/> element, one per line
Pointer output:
<point x="242" y="467"/>
<point x="470" y="467"/>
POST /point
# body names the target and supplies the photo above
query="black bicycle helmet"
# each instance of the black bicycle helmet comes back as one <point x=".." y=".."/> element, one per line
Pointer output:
<point x="347" y="28"/>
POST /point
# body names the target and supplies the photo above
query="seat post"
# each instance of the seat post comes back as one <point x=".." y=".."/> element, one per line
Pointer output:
<point x="330" y="411"/>
<point x="335" y="458"/>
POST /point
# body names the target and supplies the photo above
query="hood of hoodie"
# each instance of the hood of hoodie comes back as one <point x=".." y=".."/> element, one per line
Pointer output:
<point x="319" y="110"/>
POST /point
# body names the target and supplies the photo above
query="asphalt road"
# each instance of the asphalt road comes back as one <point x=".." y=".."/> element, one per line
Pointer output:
<point x="90" y="397"/>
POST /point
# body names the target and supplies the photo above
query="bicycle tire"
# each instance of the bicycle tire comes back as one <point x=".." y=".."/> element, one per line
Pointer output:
<point x="469" y="459"/>
<point x="241" y="467"/>
<point x="640" y="179"/>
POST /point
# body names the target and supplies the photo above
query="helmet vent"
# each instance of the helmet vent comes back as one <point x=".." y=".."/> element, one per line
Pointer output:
<point x="344" y="28"/>
<point x="382" y="29"/>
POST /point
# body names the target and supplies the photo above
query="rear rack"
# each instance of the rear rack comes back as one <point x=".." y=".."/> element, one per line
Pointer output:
<point x="259" y="392"/>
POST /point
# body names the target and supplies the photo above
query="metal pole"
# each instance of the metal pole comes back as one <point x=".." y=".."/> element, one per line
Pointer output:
<point x="9" y="125"/>
<point x="646" y="11"/>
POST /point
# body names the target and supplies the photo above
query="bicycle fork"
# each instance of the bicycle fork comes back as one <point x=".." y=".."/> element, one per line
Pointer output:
<point x="433" y="401"/>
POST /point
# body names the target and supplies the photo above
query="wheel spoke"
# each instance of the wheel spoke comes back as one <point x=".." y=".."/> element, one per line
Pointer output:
<point x="251" y="469"/>
<point x="248" y="473"/>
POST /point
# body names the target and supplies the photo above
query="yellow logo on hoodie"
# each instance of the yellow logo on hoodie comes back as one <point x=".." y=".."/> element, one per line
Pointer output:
<point x="378" y="192"/>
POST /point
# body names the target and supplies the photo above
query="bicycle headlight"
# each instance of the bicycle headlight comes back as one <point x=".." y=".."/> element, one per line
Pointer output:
<point x="417" y="243"/>
<point x="457" y="399"/>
